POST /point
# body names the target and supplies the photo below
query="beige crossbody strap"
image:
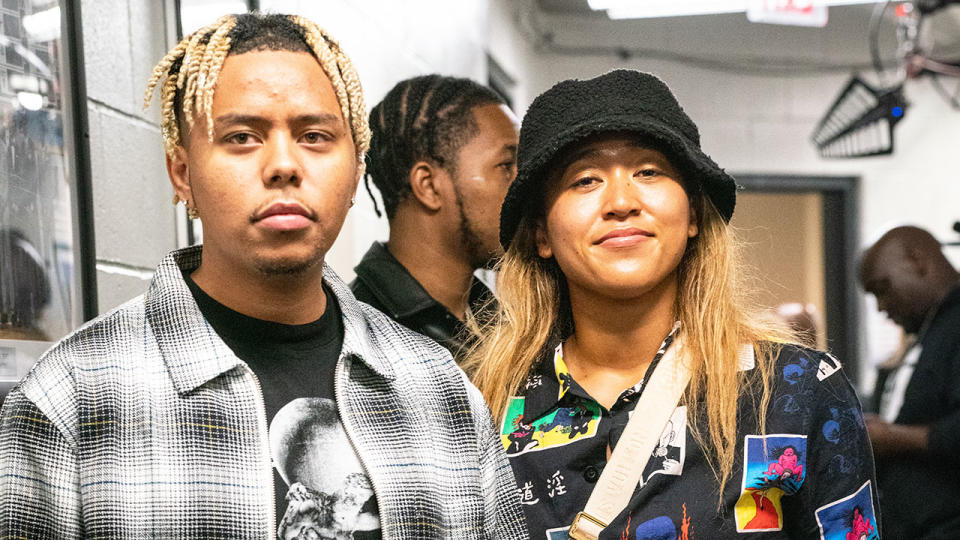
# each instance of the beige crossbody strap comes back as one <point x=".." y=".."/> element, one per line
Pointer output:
<point x="625" y="466"/>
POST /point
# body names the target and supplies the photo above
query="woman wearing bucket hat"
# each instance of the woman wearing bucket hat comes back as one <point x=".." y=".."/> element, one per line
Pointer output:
<point x="638" y="395"/>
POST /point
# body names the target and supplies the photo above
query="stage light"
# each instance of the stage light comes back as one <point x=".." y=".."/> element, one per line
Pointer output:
<point x="860" y="122"/>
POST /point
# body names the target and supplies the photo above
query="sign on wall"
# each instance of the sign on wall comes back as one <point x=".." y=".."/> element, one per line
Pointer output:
<point x="789" y="12"/>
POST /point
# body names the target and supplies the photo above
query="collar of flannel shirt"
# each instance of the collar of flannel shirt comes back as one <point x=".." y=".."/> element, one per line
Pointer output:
<point x="192" y="351"/>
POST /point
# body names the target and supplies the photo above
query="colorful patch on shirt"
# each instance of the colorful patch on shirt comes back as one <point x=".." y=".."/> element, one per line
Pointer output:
<point x="827" y="367"/>
<point x="671" y="450"/>
<point x="559" y="427"/>
<point x="850" y="518"/>
<point x="759" y="510"/>
<point x="560" y="533"/>
<point x="659" y="528"/>
<point x="773" y="465"/>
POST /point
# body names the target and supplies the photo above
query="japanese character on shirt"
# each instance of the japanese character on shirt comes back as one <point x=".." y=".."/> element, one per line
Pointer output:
<point x="555" y="485"/>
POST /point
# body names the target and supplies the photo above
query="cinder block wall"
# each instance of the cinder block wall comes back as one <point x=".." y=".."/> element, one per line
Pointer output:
<point x="135" y="224"/>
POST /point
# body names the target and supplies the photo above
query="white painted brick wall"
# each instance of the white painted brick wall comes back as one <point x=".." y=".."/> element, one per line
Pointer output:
<point x="133" y="218"/>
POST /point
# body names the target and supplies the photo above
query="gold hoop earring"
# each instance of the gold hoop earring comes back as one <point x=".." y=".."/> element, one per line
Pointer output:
<point x="353" y="201"/>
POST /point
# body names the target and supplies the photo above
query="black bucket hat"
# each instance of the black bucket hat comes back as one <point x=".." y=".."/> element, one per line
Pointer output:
<point x="622" y="100"/>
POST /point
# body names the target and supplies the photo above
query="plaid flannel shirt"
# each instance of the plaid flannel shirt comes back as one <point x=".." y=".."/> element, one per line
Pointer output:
<point x="144" y="424"/>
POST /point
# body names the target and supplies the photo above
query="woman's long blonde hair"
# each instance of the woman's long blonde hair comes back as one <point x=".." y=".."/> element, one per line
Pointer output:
<point x="715" y="316"/>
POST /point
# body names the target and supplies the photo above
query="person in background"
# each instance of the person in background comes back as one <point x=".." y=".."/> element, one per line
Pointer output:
<point x="24" y="287"/>
<point x="442" y="154"/>
<point x="916" y="436"/>
<point x="620" y="276"/>
<point x="248" y="394"/>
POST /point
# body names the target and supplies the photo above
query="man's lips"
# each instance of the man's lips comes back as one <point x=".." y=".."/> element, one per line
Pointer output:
<point x="624" y="237"/>
<point x="283" y="217"/>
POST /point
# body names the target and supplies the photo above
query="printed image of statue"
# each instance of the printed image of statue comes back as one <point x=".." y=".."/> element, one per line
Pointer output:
<point x="330" y="496"/>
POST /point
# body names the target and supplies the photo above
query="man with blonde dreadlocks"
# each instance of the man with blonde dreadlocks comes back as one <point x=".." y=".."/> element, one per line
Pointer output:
<point x="248" y="394"/>
<point x="442" y="154"/>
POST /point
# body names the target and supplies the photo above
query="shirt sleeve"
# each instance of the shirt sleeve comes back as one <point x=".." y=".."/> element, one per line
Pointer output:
<point x="39" y="479"/>
<point x="840" y="489"/>
<point x="504" y="517"/>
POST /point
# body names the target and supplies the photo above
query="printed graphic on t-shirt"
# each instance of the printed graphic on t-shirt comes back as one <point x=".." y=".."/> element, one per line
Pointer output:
<point x="773" y="466"/>
<point x="329" y="495"/>
<point x="671" y="451"/>
<point x="850" y="518"/>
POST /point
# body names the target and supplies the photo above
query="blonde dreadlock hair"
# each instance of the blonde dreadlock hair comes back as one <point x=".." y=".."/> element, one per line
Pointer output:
<point x="189" y="71"/>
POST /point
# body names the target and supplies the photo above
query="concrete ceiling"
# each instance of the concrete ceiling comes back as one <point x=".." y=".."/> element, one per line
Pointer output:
<point x="571" y="27"/>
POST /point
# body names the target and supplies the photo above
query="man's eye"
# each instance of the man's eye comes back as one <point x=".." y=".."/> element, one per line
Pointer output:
<point x="649" y="172"/>
<point x="239" y="138"/>
<point x="314" y="137"/>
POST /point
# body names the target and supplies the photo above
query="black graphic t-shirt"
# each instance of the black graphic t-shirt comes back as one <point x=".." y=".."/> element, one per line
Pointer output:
<point x="809" y="475"/>
<point x="320" y="486"/>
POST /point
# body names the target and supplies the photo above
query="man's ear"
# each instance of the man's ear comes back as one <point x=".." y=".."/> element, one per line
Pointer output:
<point x="178" y="170"/>
<point x="917" y="260"/>
<point x="543" y="243"/>
<point x="424" y="183"/>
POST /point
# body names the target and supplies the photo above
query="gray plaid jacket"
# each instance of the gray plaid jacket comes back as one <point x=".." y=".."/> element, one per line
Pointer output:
<point x="144" y="424"/>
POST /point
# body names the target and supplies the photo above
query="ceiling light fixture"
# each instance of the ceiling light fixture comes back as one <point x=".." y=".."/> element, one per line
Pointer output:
<point x="643" y="9"/>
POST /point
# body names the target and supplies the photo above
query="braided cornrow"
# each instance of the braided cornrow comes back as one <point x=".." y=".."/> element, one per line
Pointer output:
<point x="190" y="70"/>
<point x="424" y="118"/>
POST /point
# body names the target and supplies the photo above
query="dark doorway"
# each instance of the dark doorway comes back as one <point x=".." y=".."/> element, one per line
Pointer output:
<point x="840" y="240"/>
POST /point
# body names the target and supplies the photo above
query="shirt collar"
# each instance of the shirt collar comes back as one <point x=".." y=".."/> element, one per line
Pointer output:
<point x="193" y="352"/>
<point x="399" y="293"/>
<point x="549" y="382"/>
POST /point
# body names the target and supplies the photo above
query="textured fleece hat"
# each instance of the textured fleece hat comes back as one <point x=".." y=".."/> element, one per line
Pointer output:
<point x="622" y="100"/>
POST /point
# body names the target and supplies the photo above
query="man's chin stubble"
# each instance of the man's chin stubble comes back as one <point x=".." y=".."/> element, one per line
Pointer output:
<point x="287" y="267"/>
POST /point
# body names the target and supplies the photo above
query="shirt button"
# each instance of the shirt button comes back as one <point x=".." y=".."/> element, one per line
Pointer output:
<point x="591" y="474"/>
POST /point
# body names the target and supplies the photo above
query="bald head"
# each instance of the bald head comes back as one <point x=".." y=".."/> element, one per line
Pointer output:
<point x="908" y="274"/>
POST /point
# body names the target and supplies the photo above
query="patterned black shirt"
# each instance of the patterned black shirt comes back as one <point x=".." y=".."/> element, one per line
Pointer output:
<point x="810" y="476"/>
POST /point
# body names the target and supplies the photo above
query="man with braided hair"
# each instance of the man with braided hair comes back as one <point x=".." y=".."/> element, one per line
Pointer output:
<point x="248" y="394"/>
<point x="442" y="154"/>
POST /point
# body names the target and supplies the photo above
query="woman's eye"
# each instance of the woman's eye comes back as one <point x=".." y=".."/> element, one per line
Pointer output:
<point x="585" y="181"/>
<point x="649" y="172"/>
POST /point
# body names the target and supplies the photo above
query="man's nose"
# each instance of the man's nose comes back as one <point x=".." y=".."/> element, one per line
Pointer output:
<point x="282" y="162"/>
